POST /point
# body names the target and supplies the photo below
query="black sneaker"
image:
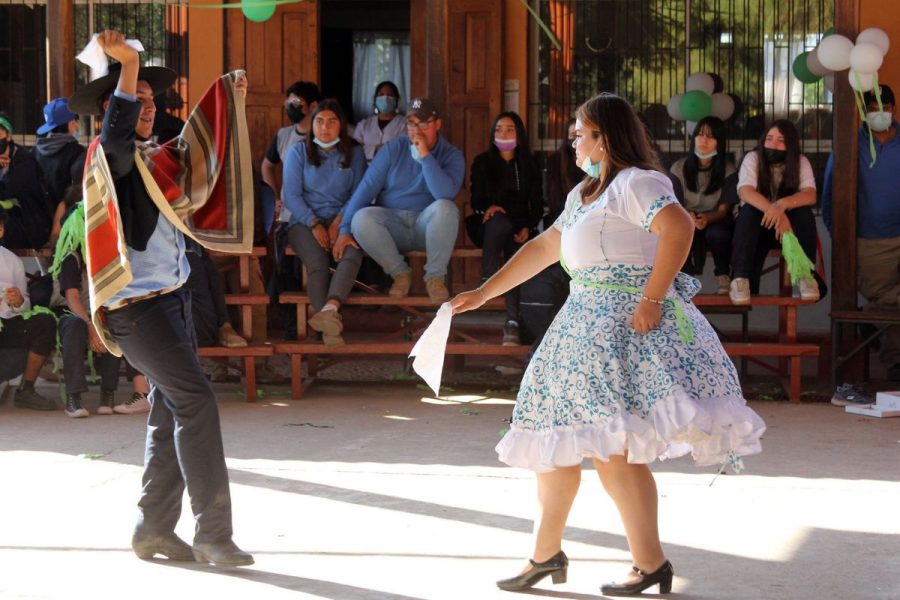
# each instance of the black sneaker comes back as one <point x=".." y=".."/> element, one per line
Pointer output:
<point x="74" y="408"/>
<point x="107" y="402"/>
<point x="511" y="334"/>
<point x="31" y="399"/>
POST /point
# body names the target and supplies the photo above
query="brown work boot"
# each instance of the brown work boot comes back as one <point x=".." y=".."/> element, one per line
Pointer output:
<point x="437" y="291"/>
<point x="327" y="321"/>
<point x="229" y="338"/>
<point x="402" y="283"/>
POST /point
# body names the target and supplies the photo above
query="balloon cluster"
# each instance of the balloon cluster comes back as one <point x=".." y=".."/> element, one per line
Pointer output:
<point x="837" y="53"/>
<point x="703" y="97"/>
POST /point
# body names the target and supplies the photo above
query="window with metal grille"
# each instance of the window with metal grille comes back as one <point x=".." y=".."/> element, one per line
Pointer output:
<point x="23" y="66"/>
<point x="643" y="50"/>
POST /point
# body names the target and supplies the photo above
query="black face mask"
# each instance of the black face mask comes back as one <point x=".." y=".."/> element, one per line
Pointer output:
<point x="295" y="114"/>
<point x="775" y="157"/>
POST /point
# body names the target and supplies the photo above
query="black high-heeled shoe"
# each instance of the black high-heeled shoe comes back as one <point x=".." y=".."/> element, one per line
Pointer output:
<point x="557" y="567"/>
<point x="663" y="576"/>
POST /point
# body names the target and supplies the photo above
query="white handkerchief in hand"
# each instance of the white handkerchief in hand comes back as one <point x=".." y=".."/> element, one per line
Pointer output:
<point x="429" y="350"/>
<point x="94" y="56"/>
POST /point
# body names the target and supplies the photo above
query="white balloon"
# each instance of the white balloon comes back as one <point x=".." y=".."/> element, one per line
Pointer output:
<point x="674" y="107"/>
<point x="690" y="126"/>
<point x="866" y="58"/>
<point x="722" y="106"/>
<point x="815" y="67"/>
<point x="834" y="52"/>
<point x="829" y="82"/>
<point x="700" y="81"/>
<point x="862" y="82"/>
<point x="874" y="35"/>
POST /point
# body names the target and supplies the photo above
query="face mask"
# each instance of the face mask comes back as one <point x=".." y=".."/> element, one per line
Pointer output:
<point x="592" y="169"/>
<point x="415" y="152"/>
<point x="386" y="104"/>
<point x="879" y="120"/>
<point x="774" y="157"/>
<point x="295" y="114"/>
<point x="326" y="145"/>
<point x="505" y="145"/>
<point x="705" y="156"/>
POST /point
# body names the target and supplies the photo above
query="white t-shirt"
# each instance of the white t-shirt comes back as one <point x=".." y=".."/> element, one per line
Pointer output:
<point x="749" y="169"/>
<point x="12" y="274"/>
<point x="372" y="137"/>
<point x="615" y="228"/>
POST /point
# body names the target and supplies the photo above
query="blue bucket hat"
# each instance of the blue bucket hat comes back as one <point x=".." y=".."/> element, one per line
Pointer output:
<point x="56" y="113"/>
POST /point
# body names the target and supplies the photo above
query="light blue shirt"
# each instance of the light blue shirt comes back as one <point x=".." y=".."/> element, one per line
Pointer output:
<point x="162" y="265"/>
<point x="396" y="180"/>
<point x="311" y="192"/>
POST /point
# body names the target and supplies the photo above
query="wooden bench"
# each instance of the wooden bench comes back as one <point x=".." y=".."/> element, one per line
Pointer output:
<point x="786" y="348"/>
<point x="882" y="320"/>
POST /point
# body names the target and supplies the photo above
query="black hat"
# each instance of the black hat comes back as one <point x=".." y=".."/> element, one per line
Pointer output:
<point x="85" y="100"/>
<point x="887" y="96"/>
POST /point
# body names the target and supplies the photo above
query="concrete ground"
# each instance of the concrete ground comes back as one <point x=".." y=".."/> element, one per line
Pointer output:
<point x="379" y="491"/>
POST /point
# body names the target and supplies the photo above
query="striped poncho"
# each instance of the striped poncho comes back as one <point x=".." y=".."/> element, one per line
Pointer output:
<point x="201" y="181"/>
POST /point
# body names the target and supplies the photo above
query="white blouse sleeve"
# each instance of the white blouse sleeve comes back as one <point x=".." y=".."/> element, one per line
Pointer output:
<point x="644" y="195"/>
<point x="807" y="178"/>
<point x="748" y="172"/>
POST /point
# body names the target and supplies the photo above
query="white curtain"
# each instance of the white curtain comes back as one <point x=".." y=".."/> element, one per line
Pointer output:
<point x="379" y="57"/>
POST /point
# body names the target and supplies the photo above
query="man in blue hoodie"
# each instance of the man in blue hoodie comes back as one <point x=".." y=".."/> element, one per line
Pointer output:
<point x="878" y="227"/>
<point x="411" y="185"/>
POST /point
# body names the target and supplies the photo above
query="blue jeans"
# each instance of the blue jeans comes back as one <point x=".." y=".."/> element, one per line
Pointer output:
<point x="386" y="233"/>
<point x="184" y="438"/>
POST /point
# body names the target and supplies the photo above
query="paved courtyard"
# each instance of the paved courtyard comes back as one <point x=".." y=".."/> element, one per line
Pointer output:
<point x="380" y="491"/>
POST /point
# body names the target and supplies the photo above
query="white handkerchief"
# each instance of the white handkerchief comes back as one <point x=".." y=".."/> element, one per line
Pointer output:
<point x="429" y="350"/>
<point x="94" y="56"/>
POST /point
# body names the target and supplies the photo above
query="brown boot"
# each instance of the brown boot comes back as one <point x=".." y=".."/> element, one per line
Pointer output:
<point x="437" y="290"/>
<point x="402" y="283"/>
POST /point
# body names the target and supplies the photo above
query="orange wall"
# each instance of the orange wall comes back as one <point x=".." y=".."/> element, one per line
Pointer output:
<point x="515" y="51"/>
<point x="884" y="14"/>
<point x="206" y="48"/>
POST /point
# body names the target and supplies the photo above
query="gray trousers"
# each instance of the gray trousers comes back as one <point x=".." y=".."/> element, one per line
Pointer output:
<point x="322" y="286"/>
<point x="878" y="269"/>
<point x="184" y="438"/>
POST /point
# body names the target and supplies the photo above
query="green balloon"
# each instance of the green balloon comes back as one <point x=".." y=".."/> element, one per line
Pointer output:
<point x="695" y="105"/>
<point x="256" y="11"/>
<point x="801" y="70"/>
<point x="827" y="32"/>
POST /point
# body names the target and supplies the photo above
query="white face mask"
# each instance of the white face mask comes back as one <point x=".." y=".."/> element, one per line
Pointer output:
<point x="879" y="120"/>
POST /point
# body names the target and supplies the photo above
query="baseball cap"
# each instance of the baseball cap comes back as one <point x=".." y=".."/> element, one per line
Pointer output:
<point x="56" y="113"/>
<point x="422" y="108"/>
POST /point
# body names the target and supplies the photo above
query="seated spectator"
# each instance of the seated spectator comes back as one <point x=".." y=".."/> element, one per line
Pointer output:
<point x="506" y="199"/>
<point x="319" y="178"/>
<point x="60" y="156"/>
<point x="704" y="175"/>
<point x="385" y="125"/>
<point x="777" y="191"/>
<point x="23" y="197"/>
<point x="77" y="333"/>
<point x="412" y="182"/>
<point x="543" y="295"/>
<point x="6" y="128"/>
<point x="35" y="335"/>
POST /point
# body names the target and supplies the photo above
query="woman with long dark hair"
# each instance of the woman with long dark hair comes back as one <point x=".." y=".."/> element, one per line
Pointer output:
<point x="320" y="175"/>
<point x="630" y="371"/>
<point x="507" y="204"/>
<point x="708" y="181"/>
<point x="777" y="190"/>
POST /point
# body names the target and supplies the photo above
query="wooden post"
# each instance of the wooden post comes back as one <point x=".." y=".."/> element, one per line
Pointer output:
<point x="846" y="159"/>
<point x="61" y="22"/>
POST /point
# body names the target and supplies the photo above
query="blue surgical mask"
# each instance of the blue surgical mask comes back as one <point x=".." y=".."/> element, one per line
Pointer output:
<point x="879" y="120"/>
<point x="326" y="145"/>
<point x="705" y="156"/>
<point x="415" y="152"/>
<point x="386" y="104"/>
<point x="592" y="169"/>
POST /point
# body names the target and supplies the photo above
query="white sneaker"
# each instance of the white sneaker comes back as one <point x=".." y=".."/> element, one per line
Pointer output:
<point x="809" y="289"/>
<point x="723" y="284"/>
<point x="740" y="291"/>
<point x="135" y="405"/>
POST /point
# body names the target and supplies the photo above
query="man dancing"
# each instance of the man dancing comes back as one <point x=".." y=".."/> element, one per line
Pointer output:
<point x="140" y="198"/>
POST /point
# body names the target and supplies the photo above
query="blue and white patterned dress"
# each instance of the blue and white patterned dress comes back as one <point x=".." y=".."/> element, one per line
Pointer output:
<point x="597" y="388"/>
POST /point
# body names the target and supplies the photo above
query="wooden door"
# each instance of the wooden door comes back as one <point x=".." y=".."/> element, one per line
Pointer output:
<point x="275" y="54"/>
<point x="473" y="93"/>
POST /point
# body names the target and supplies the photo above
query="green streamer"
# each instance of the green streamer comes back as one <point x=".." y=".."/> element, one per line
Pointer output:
<point x="9" y="203"/>
<point x="542" y="25"/>
<point x="861" y="107"/>
<point x="798" y="264"/>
